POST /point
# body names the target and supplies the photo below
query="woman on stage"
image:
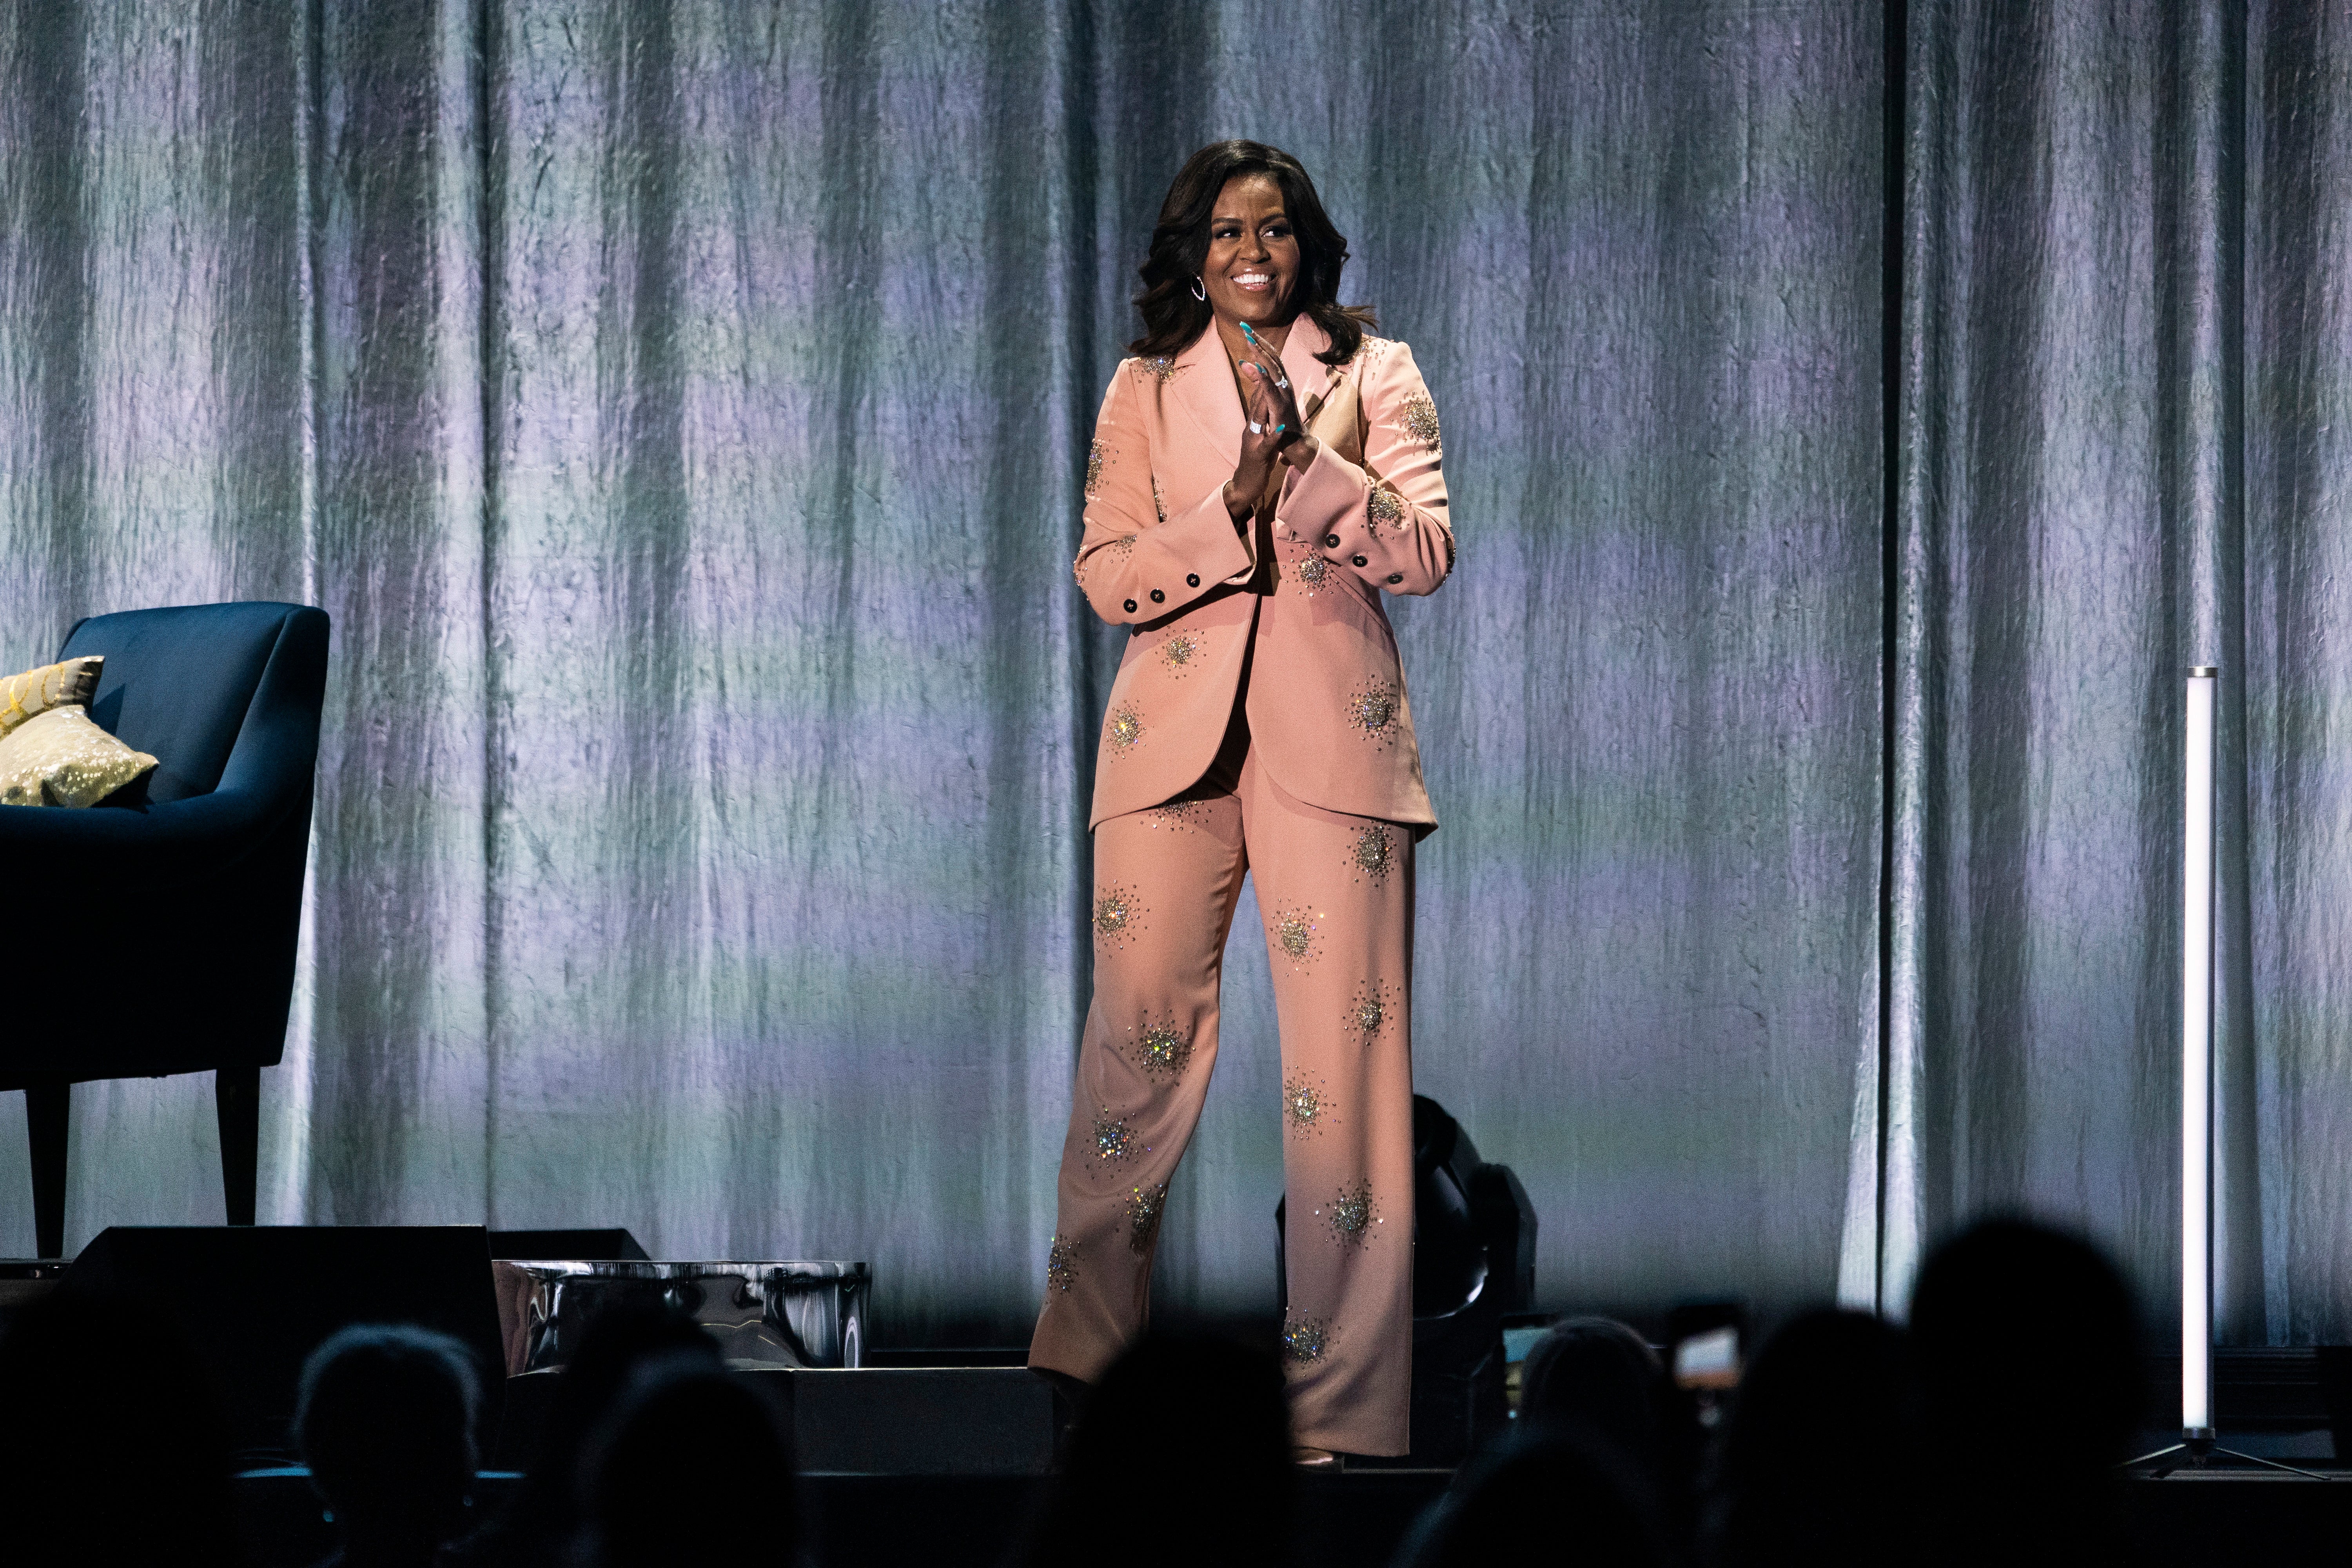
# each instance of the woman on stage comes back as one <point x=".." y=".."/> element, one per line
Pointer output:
<point x="1262" y="470"/>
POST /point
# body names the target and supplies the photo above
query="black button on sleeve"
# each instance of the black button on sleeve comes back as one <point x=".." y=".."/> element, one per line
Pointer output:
<point x="1157" y="597"/>
<point x="1357" y="561"/>
<point x="1330" y="541"/>
<point x="1191" y="579"/>
<point x="1131" y="606"/>
<point x="1396" y="576"/>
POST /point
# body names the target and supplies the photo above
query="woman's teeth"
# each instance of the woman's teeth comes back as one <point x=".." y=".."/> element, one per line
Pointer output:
<point x="1253" y="280"/>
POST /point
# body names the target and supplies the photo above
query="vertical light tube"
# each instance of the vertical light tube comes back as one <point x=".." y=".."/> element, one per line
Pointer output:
<point x="2197" y="1064"/>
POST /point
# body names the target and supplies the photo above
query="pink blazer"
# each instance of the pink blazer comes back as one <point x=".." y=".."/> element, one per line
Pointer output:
<point x="1328" y="714"/>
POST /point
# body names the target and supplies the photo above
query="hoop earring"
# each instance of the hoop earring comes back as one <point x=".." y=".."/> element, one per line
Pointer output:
<point x="1198" y="292"/>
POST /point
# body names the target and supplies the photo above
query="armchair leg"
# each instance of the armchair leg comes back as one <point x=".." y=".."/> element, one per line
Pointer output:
<point x="46" y="1109"/>
<point x="236" y="1096"/>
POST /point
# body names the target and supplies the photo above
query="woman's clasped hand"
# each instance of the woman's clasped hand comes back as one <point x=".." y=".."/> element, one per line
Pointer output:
<point x="1273" y="427"/>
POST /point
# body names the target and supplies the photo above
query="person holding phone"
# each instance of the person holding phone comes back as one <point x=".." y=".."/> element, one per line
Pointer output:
<point x="1263" y="471"/>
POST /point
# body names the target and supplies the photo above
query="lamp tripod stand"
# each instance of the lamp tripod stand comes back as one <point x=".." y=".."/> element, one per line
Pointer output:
<point x="2196" y="1445"/>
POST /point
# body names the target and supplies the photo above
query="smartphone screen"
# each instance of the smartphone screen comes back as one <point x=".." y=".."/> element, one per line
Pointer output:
<point x="1709" y="1358"/>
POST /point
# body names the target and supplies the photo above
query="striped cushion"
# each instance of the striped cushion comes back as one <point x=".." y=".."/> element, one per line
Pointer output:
<point x="67" y="685"/>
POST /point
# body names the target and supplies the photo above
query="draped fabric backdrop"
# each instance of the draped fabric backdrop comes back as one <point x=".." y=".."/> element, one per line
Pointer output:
<point x="2125" y="446"/>
<point x="681" y="412"/>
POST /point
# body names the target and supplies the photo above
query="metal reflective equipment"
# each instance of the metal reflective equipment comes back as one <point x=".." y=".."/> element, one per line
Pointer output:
<point x="801" y="1313"/>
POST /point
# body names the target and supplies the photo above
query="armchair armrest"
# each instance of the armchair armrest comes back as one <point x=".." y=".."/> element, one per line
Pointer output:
<point x="52" y="846"/>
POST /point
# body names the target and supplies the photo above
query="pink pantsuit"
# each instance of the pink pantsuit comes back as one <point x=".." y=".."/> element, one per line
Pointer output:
<point x="1258" y="725"/>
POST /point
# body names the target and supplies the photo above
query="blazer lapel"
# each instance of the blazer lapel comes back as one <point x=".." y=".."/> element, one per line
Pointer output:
<point x="1310" y="379"/>
<point x="1206" y="387"/>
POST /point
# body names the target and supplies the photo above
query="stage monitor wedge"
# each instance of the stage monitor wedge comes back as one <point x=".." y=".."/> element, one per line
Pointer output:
<point x="253" y="1303"/>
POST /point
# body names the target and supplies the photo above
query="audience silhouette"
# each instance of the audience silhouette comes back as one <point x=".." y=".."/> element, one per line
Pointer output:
<point x="386" y="1422"/>
<point x="1989" y="1432"/>
<point x="2026" y="1349"/>
<point x="1813" y="1465"/>
<point x="537" y="1528"/>
<point x="1602" y="1377"/>
<point x="1554" y="1492"/>
<point x="1180" y="1456"/>
<point x="690" y="1464"/>
<point x="111" y="1445"/>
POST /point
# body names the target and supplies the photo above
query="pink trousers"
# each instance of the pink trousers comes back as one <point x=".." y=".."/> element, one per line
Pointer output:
<point x="1337" y="894"/>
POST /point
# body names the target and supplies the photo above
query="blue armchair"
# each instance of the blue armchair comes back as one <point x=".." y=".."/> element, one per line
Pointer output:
<point x="181" y="902"/>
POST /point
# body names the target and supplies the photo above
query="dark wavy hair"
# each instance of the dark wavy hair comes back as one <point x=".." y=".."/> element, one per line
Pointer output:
<point x="1173" y="317"/>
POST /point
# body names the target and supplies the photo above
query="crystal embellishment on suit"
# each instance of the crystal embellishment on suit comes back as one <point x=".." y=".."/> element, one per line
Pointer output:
<point x="1352" y="1215"/>
<point x="1420" y="416"/>
<point x="1374" y="854"/>
<point x="1370" y="1010"/>
<point x="1061" y="1264"/>
<point x="1098" y="456"/>
<point x="1114" y="1140"/>
<point x="1143" y="1207"/>
<point x="1121" y="547"/>
<point x="1310" y="571"/>
<point x="1292" y="932"/>
<point x="1117" y="916"/>
<point x="1177" y="815"/>
<point x="1384" y="507"/>
<point x="1124" y="732"/>
<point x="1162" y="369"/>
<point x="1304" y="1340"/>
<point x="1179" y="651"/>
<point x="1305" y="1102"/>
<point x="1163" y="1050"/>
<point x="1373" y="710"/>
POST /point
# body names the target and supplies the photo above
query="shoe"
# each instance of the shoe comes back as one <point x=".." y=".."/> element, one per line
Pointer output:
<point x="1308" y="1458"/>
<point x="1072" y="1389"/>
<point x="1069" y="1397"/>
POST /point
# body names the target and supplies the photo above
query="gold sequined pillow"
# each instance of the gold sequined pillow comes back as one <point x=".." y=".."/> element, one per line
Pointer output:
<point x="62" y="757"/>
<point x="69" y="685"/>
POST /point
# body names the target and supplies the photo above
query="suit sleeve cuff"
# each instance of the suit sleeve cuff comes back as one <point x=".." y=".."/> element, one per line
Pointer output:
<point x="1193" y="551"/>
<point x="1322" y="495"/>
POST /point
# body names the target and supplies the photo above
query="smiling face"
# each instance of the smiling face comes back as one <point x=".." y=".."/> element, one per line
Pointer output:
<point x="1253" y="253"/>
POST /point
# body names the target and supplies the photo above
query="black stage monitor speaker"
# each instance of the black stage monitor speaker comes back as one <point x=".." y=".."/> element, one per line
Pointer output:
<point x="256" y="1301"/>
<point x="597" y="1245"/>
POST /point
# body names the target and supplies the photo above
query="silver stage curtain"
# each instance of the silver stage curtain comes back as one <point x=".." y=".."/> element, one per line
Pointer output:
<point x="681" y="411"/>
<point x="2125" y="446"/>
